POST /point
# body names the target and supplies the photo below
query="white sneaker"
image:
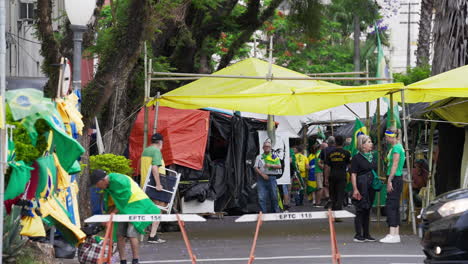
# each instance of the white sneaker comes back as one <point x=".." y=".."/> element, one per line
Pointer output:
<point x="391" y="239"/>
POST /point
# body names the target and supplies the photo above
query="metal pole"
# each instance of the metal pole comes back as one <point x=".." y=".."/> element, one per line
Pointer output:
<point x="77" y="40"/>
<point x="255" y="47"/>
<point x="367" y="103"/>
<point x="379" y="157"/>
<point x="145" y="116"/>
<point x="390" y="115"/>
<point x="337" y="73"/>
<point x="408" y="47"/>
<point x="431" y="151"/>
<point x="331" y="123"/>
<point x="405" y="133"/>
<point x="270" y="59"/>
<point x="156" y="114"/>
<point x="3" y="129"/>
<point x="196" y="76"/>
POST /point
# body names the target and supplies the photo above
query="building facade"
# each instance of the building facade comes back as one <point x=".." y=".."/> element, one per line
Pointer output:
<point x="23" y="57"/>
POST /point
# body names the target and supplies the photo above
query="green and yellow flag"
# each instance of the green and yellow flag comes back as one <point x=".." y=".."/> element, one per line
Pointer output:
<point x="67" y="148"/>
<point x="25" y="102"/>
<point x="129" y="198"/>
<point x="19" y="178"/>
<point x="359" y="129"/>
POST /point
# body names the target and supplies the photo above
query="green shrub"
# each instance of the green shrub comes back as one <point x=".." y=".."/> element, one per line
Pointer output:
<point x="413" y="75"/>
<point x="12" y="241"/>
<point x="110" y="163"/>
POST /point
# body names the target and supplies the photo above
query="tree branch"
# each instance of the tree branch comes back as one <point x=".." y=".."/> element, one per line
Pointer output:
<point x="247" y="33"/>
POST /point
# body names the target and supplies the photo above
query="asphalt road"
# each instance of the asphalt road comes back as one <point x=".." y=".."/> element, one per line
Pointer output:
<point x="301" y="241"/>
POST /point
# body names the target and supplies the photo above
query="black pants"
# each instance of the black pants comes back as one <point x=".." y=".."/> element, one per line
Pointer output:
<point x="337" y="186"/>
<point x="363" y="206"/>
<point x="392" y="205"/>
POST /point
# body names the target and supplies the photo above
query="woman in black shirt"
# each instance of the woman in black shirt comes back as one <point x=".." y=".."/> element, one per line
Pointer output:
<point x="362" y="166"/>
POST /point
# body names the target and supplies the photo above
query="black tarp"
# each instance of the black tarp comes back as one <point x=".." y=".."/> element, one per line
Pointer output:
<point x="231" y="152"/>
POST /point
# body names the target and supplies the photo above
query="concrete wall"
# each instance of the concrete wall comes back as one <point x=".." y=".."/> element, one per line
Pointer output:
<point x="395" y="17"/>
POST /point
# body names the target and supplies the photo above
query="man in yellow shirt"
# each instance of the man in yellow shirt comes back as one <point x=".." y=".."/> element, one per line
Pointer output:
<point x="152" y="155"/>
<point x="303" y="165"/>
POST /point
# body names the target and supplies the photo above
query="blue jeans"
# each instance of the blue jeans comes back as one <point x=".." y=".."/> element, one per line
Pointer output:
<point x="267" y="191"/>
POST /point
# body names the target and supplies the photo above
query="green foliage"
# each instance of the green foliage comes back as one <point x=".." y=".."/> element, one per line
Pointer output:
<point x="307" y="15"/>
<point x="24" y="148"/>
<point x="110" y="163"/>
<point x="413" y="75"/>
<point x="331" y="49"/>
<point x="12" y="242"/>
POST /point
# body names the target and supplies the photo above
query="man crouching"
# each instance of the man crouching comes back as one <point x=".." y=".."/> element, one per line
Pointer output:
<point x="123" y="196"/>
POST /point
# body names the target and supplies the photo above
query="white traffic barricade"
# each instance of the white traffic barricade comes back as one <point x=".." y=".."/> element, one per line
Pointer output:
<point x="331" y="215"/>
<point x="110" y="219"/>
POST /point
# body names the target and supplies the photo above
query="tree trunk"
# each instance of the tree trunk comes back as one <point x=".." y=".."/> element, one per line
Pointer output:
<point x="49" y="46"/>
<point x="425" y="31"/>
<point x="83" y="179"/>
<point x="450" y="35"/>
<point x="357" y="42"/>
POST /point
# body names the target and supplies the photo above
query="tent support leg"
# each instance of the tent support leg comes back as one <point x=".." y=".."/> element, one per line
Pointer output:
<point x="408" y="164"/>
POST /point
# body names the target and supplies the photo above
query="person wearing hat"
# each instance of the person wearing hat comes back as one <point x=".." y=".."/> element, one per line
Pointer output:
<point x="151" y="159"/>
<point x="123" y="196"/>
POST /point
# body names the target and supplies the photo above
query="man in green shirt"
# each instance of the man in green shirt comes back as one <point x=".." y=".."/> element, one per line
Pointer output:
<point x="123" y="196"/>
<point x="152" y="158"/>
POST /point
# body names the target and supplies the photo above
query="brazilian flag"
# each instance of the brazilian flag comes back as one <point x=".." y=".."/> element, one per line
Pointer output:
<point x="67" y="148"/>
<point x="311" y="179"/>
<point x="19" y="178"/>
<point x="359" y="129"/>
<point x="26" y="102"/>
<point x="129" y="198"/>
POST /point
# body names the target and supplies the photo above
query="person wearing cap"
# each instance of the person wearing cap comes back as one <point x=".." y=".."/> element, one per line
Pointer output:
<point x="152" y="158"/>
<point x="123" y="196"/>
<point x="396" y="160"/>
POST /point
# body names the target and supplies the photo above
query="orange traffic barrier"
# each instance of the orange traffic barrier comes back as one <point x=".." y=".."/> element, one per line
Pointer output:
<point x="107" y="243"/>
<point x="254" y="243"/>
<point x="336" y="258"/>
<point x="186" y="240"/>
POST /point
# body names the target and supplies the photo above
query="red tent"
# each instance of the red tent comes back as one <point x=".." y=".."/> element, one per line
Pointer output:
<point x="185" y="134"/>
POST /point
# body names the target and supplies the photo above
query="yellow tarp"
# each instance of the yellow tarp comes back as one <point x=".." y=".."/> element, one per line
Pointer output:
<point x="452" y="109"/>
<point x="276" y="97"/>
<point x="453" y="83"/>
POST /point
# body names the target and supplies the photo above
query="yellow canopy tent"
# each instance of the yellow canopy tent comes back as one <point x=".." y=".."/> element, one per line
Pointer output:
<point x="275" y="97"/>
<point x="453" y="83"/>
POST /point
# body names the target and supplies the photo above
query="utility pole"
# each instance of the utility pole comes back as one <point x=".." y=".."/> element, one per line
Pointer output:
<point x="409" y="23"/>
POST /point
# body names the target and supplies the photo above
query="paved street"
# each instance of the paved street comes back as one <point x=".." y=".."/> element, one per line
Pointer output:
<point x="302" y="241"/>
